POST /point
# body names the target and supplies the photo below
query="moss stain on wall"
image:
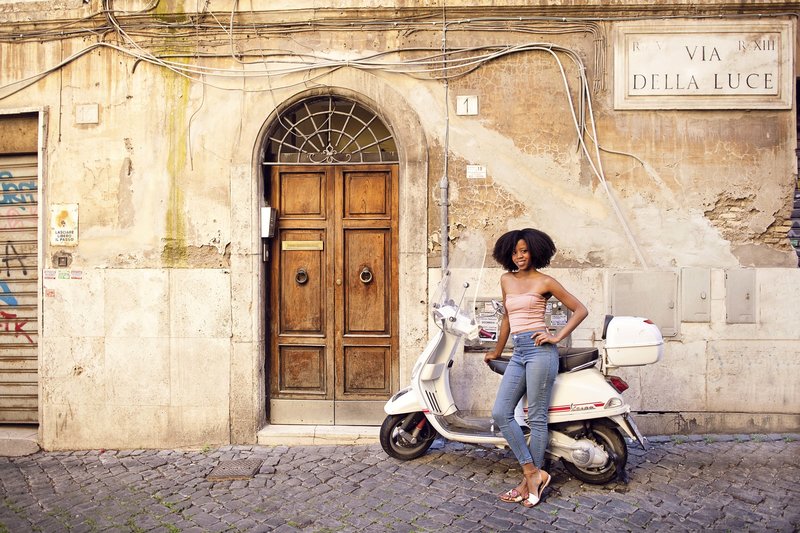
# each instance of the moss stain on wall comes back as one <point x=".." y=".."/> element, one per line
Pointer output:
<point x="174" y="253"/>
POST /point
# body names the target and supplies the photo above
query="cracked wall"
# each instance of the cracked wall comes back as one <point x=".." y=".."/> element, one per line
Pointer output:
<point x="167" y="312"/>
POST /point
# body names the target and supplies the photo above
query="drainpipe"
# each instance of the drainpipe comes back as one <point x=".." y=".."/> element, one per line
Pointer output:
<point x="444" y="184"/>
<point x="444" y="189"/>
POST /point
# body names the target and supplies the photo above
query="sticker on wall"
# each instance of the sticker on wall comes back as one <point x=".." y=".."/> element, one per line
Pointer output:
<point x="476" y="172"/>
<point x="52" y="273"/>
<point x="64" y="224"/>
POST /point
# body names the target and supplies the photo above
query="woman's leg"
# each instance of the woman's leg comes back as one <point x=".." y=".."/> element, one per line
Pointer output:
<point x="541" y="370"/>
<point x="512" y="388"/>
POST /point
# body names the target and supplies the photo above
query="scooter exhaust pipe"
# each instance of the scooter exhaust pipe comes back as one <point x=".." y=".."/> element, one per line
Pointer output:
<point x="581" y="457"/>
<point x="582" y="453"/>
<point x="588" y="456"/>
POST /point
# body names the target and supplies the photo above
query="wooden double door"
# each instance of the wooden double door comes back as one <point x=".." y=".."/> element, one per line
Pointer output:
<point x="333" y="294"/>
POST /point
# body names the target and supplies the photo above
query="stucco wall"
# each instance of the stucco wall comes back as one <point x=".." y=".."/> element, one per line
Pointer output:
<point x="160" y="339"/>
<point x="142" y="361"/>
<point x="715" y="376"/>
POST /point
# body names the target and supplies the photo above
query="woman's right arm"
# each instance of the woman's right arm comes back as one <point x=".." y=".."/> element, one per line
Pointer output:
<point x="503" y="330"/>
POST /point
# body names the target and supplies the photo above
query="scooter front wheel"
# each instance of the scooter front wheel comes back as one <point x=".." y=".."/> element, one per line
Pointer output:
<point x="406" y="436"/>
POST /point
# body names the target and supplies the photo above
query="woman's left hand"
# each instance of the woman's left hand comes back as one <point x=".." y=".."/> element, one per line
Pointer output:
<point x="543" y="337"/>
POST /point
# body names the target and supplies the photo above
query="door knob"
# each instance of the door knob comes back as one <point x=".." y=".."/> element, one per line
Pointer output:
<point x="301" y="277"/>
<point x="366" y="275"/>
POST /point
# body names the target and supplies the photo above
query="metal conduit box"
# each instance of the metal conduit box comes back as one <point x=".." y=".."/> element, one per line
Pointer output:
<point x="556" y="315"/>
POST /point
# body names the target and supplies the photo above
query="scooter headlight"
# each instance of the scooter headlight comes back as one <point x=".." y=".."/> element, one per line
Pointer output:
<point x="399" y="393"/>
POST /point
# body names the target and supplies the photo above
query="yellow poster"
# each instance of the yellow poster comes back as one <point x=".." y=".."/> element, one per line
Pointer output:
<point x="64" y="224"/>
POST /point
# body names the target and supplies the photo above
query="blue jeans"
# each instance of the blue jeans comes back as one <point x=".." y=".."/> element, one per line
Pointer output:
<point x="532" y="370"/>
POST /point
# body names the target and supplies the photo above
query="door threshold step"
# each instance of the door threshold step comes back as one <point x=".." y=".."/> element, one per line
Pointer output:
<point x="307" y="435"/>
<point x="18" y="440"/>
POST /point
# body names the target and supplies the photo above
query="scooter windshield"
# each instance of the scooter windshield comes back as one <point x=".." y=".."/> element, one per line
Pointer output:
<point x="453" y="303"/>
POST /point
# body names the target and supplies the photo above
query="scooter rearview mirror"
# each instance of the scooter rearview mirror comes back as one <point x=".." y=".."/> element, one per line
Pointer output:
<point x="498" y="307"/>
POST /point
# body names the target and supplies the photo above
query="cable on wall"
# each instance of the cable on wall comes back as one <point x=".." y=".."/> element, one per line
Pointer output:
<point x="141" y="36"/>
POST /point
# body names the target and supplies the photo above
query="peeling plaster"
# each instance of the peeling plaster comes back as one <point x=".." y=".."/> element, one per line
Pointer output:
<point x="579" y="218"/>
<point x="526" y="178"/>
<point x="740" y="219"/>
<point x="205" y="256"/>
<point x="125" y="209"/>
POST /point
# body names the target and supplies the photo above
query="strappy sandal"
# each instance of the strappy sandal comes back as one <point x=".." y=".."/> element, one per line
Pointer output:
<point x="512" y="496"/>
<point x="533" y="499"/>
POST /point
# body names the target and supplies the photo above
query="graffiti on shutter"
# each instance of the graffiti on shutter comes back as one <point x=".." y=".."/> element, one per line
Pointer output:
<point x="19" y="273"/>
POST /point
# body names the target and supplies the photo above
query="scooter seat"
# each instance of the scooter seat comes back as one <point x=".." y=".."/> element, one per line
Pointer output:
<point x="573" y="358"/>
<point x="568" y="359"/>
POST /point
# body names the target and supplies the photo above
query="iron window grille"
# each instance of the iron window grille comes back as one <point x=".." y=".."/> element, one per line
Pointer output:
<point x="329" y="130"/>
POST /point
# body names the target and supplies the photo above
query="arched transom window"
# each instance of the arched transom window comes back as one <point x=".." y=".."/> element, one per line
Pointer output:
<point x="329" y="130"/>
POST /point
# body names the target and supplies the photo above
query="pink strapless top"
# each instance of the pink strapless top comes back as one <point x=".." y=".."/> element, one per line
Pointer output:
<point x="526" y="311"/>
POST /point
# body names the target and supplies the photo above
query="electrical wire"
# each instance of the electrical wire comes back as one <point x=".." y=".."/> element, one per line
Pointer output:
<point x="149" y="26"/>
<point x="439" y="66"/>
<point x="443" y="64"/>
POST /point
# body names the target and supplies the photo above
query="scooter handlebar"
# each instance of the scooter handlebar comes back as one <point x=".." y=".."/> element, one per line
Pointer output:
<point x="455" y="322"/>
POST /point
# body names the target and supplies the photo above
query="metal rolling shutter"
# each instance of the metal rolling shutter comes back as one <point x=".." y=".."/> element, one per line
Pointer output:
<point x="19" y="276"/>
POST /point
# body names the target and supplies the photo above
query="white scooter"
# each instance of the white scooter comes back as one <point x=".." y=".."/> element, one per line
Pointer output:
<point x="588" y="417"/>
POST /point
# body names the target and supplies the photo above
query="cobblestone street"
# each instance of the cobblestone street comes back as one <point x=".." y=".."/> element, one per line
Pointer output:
<point x="721" y="483"/>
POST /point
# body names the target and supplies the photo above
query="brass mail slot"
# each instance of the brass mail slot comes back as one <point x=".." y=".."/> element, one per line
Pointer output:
<point x="301" y="245"/>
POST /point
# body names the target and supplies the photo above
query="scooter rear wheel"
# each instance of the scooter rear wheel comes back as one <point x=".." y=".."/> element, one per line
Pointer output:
<point x="396" y="445"/>
<point x="610" y="439"/>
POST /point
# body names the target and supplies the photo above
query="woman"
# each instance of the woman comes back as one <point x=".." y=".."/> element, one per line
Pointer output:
<point x="534" y="363"/>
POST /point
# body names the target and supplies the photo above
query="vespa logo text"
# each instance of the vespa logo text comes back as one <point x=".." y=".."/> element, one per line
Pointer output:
<point x="582" y="407"/>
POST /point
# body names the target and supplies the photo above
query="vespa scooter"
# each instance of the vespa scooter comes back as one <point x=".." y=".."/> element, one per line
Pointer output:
<point x="588" y="417"/>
